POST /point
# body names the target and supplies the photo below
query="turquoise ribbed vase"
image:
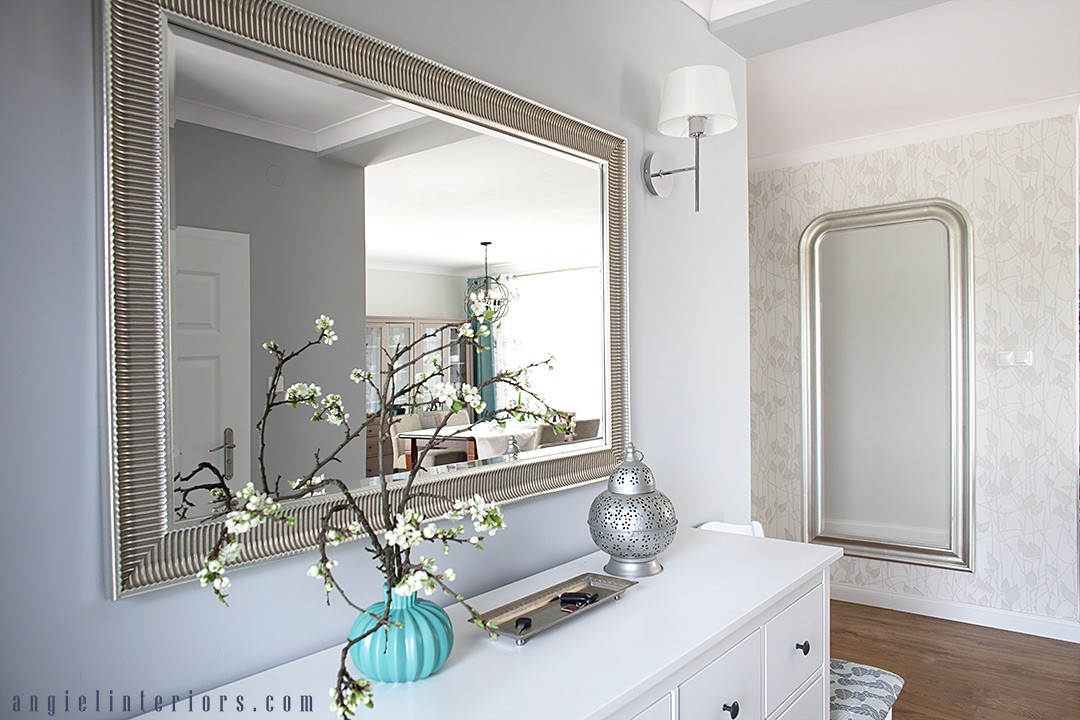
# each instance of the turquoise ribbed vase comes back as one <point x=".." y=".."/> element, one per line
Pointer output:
<point x="403" y="654"/>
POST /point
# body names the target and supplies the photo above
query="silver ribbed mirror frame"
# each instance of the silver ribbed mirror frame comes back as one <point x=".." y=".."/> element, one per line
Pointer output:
<point x="144" y="551"/>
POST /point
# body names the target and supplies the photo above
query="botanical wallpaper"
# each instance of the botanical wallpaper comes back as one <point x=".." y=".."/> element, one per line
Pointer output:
<point x="1019" y="186"/>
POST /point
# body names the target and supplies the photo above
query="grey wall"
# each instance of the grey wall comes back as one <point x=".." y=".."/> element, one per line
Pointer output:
<point x="599" y="60"/>
<point x="307" y="260"/>
<point x="410" y="294"/>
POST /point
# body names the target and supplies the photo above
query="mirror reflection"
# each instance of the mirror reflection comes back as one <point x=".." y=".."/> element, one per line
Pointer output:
<point x="293" y="194"/>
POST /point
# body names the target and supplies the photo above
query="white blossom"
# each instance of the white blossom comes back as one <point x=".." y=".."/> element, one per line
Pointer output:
<point x="252" y="509"/>
<point x="229" y="552"/>
<point x="318" y="570"/>
<point x="358" y="375"/>
<point x="471" y="397"/>
<point x="405" y="533"/>
<point x="324" y="325"/>
<point x="334" y="411"/>
<point x="303" y="393"/>
<point x="487" y="517"/>
<point x="358" y="692"/>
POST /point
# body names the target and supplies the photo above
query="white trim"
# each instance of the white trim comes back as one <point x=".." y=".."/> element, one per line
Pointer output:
<point x="1065" y="105"/>
<point x="1055" y="628"/>
<point x="247" y="125"/>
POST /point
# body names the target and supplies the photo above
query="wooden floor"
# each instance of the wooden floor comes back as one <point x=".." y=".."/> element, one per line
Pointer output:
<point x="955" y="671"/>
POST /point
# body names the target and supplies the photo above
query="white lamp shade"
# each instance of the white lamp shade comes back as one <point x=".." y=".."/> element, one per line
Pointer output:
<point x="697" y="90"/>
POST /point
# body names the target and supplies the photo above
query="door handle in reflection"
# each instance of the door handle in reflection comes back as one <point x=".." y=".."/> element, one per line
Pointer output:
<point x="228" y="446"/>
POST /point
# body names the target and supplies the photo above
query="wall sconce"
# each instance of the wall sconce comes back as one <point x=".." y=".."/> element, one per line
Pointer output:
<point x="697" y="101"/>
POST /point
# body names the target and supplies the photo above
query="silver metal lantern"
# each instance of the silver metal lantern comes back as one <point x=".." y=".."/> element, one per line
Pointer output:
<point x="632" y="521"/>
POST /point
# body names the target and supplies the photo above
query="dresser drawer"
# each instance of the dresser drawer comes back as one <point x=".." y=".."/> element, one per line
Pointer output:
<point x="659" y="710"/>
<point x="809" y="706"/>
<point x="788" y="659"/>
<point x="733" y="679"/>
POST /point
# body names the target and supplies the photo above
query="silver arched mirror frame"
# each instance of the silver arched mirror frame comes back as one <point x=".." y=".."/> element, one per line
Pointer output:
<point x="957" y="552"/>
<point x="145" y="551"/>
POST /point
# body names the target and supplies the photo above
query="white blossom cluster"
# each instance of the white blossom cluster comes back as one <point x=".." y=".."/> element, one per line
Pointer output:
<point x="229" y="551"/>
<point x="466" y="330"/>
<point x="423" y="578"/>
<point x="324" y="325"/>
<point x="272" y="347"/>
<point x="213" y="574"/>
<point x="356" y="693"/>
<point x="455" y="398"/>
<point x="252" y="509"/>
<point x="320" y="569"/>
<point x="304" y="394"/>
<point x="335" y="537"/>
<point x="333" y="411"/>
<point x="358" y="375"/>
<point x="420" y="579"/>
<point x="406" y="531"/>
<point x="479" y="310"/>
<point x="487" y="517"/>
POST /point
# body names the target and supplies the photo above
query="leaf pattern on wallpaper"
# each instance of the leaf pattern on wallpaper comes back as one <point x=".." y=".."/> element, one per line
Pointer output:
<point x="1018" y="184"/>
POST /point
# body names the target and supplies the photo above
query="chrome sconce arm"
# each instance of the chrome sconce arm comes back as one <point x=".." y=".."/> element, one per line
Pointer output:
<point x="659" y="182"/>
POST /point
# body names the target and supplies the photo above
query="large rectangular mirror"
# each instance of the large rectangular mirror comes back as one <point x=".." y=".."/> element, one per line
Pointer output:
<point x="267" y="166"/>
<point x="886" y="299"/>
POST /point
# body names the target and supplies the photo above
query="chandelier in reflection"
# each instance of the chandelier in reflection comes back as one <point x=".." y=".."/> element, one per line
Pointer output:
<point x="487" y="292"/>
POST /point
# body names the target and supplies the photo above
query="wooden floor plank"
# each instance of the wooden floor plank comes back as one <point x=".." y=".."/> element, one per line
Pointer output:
<point x="956" y="671"/>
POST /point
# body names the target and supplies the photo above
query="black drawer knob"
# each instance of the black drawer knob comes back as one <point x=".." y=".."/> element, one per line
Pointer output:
<point x="804" y="646"/>
<point x="733" y="708"/>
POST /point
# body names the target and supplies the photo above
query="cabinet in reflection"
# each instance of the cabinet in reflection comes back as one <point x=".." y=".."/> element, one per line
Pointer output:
<point x="384" y="336"/>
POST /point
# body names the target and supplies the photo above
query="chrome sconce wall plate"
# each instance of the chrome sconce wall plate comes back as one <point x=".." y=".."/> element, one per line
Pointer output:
<point x="697" y="101"/>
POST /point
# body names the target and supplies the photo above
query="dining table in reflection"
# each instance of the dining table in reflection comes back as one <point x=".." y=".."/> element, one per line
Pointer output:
<point x="481" y="441"/>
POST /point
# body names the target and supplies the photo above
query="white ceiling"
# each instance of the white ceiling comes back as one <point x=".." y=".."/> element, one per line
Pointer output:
<point x="955" y="67"/>
<point x="431" y="210"/>
<point x="754" y="27"/>
<point x="431" y="196"/>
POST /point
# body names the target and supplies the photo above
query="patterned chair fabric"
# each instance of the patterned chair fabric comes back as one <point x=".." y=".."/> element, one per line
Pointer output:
<point x="861" y="692"/>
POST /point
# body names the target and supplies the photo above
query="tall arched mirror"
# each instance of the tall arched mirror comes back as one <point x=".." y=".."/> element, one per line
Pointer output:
<point x="266" y="166"/>
<point x="887" y="419"/>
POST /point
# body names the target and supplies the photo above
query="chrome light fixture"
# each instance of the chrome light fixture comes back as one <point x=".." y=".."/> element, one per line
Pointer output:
<point x="487" y="292"/>
<point x="697" y="101"/>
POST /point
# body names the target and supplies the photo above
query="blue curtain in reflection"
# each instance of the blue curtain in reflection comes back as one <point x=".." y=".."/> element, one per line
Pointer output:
<point x="484" y="362"/>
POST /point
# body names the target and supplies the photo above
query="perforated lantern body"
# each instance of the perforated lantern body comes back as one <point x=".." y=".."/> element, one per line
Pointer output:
<point x="632" y="521"/>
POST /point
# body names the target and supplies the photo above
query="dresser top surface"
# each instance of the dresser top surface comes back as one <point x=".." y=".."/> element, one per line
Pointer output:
<point x="712" y="584"/>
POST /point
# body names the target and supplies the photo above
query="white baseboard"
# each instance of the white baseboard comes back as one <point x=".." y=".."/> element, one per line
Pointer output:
<point x="1057" y="629"/>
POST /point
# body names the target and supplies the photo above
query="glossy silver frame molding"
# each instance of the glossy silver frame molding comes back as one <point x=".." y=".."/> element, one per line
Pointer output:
<point x="144" y="551"/>
<point x="959" y="555"/>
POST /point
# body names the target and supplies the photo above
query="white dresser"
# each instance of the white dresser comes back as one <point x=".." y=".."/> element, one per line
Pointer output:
<point x="733" y="621"/>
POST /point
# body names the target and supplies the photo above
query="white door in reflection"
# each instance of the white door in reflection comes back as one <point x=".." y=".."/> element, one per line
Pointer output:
<point x="210" y="315"/>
